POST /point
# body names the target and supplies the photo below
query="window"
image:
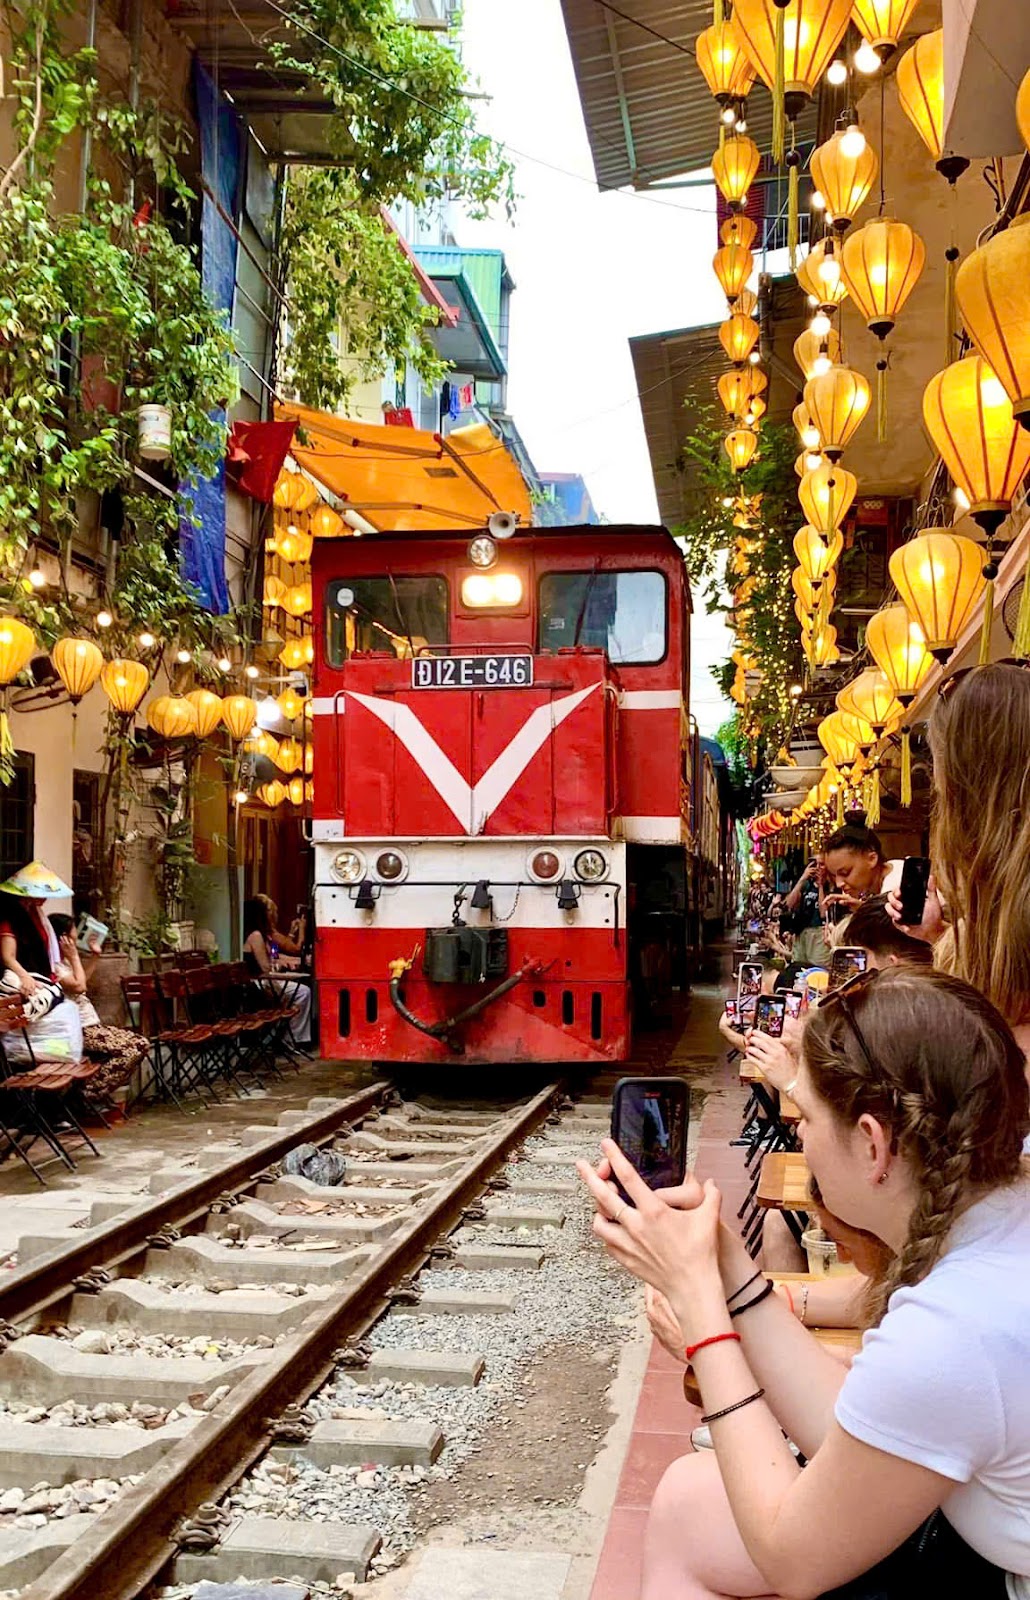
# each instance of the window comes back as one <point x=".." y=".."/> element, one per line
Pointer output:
<point x="404" y="615"/>
<point x="621" y="613"/>
<point x="16" y="817"/>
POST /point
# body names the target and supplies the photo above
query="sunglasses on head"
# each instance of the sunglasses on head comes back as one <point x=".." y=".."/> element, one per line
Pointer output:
<point x="842" y="997"/>
<point x="946" y="687"/>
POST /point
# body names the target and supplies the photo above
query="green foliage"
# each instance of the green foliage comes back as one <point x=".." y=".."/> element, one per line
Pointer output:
<point x="710" y="538"/>
<point x="730" y="735"/>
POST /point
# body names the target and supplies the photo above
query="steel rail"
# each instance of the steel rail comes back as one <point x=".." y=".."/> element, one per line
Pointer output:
<point x="128" y="1545"/>
<point x="34" y="1288"/>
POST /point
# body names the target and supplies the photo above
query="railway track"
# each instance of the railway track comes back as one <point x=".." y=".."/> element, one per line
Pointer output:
<point x="323" y="1265"/>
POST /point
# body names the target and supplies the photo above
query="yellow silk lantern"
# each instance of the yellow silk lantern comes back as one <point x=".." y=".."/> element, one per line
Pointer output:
<point x="939" y="576"/>
<point x="991" y="288"/>
<point x="738" y="228"/>
<point x="969" y="418"/>
<point x="207" y="711"/>
<point x="290" y="703"/>
<point x="172" y="716"/>
<point x="261" y="743"/>
<point x="293" y="654"/>
<point x="837" y="402"/>
<point x="820" y="648"/>
<point x="755" y="412"/>
<point x="811" y="33"/>
<point x="844" y="180"/>
<point x="738" y="388"/>
<point x="273" y="794"/>
<point x="734" y="166"/>
<point x="816" y="555"/>
<point x="297" y="601"/>
<point x="305" y="495"/>
<point x="273" y="592"/>
<point x="882" y="22"/>
<point x="881" y="263"/>
<point x="287" y="488"/>
<point x="239" y="713"/>
<point x="838" y="739"/>
<point x="724" y="62"/>
<point x="820" y="275"/>
<point x="747" y="302"/>
<point x="325" y="523"/>
<point x="295" y="788"/>
<point x="733" y="266"/>
<point x="807" y="461"/>
<point x="826" y="495"/>
<point x="870" y="696"/>
<point x="309" y="793"/>
<point x="78" y="663"/>
<point x="290" y="755"/>
<point x="738" y="336"/>
<point x="17" y="642"/>
<point x="740" y="446"/>
<point x="309" y="759"/>
<point x="807" y="432"/>
<point x="815" y="354"/>
<point x="125" y="684"/>
<point x="898" y="646"/>
<point x="920" y="78"/>
<point x="294" y="546"/>
<point x="811" y="594"/>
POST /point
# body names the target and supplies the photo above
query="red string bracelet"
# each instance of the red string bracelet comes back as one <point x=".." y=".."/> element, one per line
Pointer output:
<point x="716" y="1338"/>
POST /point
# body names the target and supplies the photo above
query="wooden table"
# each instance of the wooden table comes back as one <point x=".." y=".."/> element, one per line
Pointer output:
<point x="750" y="1074"/>
<point x="784" y="1182"/>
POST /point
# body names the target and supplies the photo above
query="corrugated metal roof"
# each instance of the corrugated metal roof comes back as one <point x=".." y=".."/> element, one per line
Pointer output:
<point x="648" y="113"/>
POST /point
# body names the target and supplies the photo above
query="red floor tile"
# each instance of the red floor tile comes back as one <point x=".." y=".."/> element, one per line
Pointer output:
<point x="661" y="1407"/>
<point x="618" y="1572"/>
<point x="661" y="1360"/>
<point x="649" y="1455"/>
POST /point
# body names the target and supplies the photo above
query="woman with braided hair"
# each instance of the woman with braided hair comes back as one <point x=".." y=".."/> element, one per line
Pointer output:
<point x="914" y="1111"/>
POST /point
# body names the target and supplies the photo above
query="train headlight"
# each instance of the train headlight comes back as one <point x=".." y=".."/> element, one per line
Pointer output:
<point x="348" y="866"/>
<point x="545" y="866"/>
<point x="590" y="866"/>
<point x="482" y="551"/>
<point x="391" y="866"/>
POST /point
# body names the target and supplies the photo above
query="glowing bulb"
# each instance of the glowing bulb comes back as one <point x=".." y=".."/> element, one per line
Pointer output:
<point x="810" y="437"/>
<point x="813" y="300"/>
<point x="182" y="656"/>
<point x="821" y="364"/>
<point x="741" y="125"/>
<point x="829" y="270"/>
<point x="817" y="200"/>
<point x="796" y="691"/>
<point x="251" y="671"/>
<point x="960" y="498"/>
<point x="852" y="142"/>
<point x="729" y="116"/>
<point x="820" y="325"/>
<point x="837" y="73"/>
<point x="241" y="797"/>
<point x="225" y="665"/>
<point x="866" y="59"/>
<point x="147" y="641"/>
<point x="991" y="393"/>
<point x="104" y="619"/>
<point x="37" y="579"/>
<point x="812" y="461"/>
<point x="755" y="357"/>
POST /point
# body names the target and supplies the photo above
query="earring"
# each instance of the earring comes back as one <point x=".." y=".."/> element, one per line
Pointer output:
<point x="883" y="1177"/>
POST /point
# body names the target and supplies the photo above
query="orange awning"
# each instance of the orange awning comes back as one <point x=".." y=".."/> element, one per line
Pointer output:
<point x="402" y="478"/>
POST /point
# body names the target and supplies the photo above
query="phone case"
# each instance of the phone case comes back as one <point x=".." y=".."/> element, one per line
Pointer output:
<point x="674" y="1169"/>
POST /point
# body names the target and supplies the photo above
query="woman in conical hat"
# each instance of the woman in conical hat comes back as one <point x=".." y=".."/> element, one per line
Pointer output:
<point x="28" y="944"/>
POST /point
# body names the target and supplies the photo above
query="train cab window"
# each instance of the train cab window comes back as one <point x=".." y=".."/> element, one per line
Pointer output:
<point x="402" y="614"/>
<point x="622" y="613"/>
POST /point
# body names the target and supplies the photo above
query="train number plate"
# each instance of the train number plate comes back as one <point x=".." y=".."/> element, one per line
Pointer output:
<point x="472" y="672"/>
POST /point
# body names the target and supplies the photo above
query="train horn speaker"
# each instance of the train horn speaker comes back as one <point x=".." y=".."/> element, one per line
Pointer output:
<point x="503" y="524"/>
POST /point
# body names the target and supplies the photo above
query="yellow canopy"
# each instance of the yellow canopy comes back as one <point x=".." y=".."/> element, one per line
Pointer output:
<point x="403" y="478"/>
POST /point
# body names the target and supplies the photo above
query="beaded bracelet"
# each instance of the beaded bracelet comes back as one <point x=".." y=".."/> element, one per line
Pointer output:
<point x="716" y="1416"/>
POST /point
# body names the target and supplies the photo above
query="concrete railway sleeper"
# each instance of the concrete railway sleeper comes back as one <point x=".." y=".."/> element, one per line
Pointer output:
<point x="352" y="1259"/>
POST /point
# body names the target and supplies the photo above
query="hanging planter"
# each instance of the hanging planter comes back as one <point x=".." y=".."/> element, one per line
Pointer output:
<point x="155" y="432"/>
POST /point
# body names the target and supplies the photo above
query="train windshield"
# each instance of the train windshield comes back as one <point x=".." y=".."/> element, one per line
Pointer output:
<point x="404" y="615"/>
<point x="621" y="613"/>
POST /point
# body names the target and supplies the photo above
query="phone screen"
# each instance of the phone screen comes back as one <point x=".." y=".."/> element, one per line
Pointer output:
<point x="792" y="1002"/>
<point x="915" y="877"/>
<point x="749" y="979"/>
<point x="649" y="1125"/>
<point x="846" y="962"/>
<point x="731" y="1010"/>
<point x="769" y="1013"/>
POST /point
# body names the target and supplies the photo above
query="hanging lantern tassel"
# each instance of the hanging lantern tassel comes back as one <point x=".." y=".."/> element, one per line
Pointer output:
<point x="779" y="85"/>
<point x="906" y="768"/>
<point x="950" y="258"/>
<point x="873" y="807"/>
<point x="6" y="745"/>
<point x="1021" y="643"/>
<point x="881" y="400"/>
<point x="990" y="573"/>
<point x="793" y="181"/>
<point x="840" y="805"/>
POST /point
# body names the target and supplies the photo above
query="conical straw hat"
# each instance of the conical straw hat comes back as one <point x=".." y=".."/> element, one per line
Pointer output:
<point x="35" y="882"/>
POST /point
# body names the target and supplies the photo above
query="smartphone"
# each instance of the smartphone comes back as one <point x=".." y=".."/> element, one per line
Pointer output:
<point x="915" y="878"/>
<point x="746" y="1012"/>
<point x="749" y="979"/>
<point x="650" y="1117"/>
<point x="792" y="1002"/>
<point x="731" y="1010"/>
<point x="838" y="912"/>
<point x="847" y="961"/>
<point x="769" y="1014"/>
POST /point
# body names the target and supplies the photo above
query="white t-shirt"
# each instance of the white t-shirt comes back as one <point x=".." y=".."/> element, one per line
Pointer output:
<point x="944" y="1381"/>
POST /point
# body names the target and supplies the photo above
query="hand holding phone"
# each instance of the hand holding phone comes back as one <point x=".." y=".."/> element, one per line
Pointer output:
<point x="915" y="879"/>
<point x="770" y="1010"/>
<point x="749" y="980"/>
<point x="846" y="962"/>
<point x="650" y="1118"/>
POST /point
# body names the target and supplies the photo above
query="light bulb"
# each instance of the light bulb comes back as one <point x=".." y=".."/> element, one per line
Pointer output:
<point x="755" y="357"/>
<point x="252" y="671"/>
<point x="852" y="142"/>
<point x="182" y="656"/>
<point x="837" y="73"/>
<point x="104" y="619"/>
<point x="729" y="116"/>
<point x="37" y="579"/>
<point x="810" y="437"/>
<point x="147" y="641"/>
<point x="817" y="200"/>
<point x="821" y="364"/>
<point x="829" y="270"/>
<point x="749" y="418"/>
<point x="241" y="797"/>
<point x="866" y="59"/>
<point x="727" y="501"/>
<point x="820" y="325"/>
<point x="225" y="665"/>
<point x="813" y="461"/>
<point x="813" y="300"/>
<point x="741" y="125"/>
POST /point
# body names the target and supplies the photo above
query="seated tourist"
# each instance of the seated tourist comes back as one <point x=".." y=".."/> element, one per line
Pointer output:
<point x="914" y="1110"/>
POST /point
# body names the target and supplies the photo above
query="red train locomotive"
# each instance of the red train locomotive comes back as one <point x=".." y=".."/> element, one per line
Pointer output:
<point x="502" y="776"/>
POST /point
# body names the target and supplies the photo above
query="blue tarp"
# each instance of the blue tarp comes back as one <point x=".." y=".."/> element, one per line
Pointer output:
<point x="202" y="526"/>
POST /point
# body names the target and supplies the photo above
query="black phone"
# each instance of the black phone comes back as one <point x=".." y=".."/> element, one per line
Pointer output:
<point x="749" y="979"/>
<point x="650" y="1118"/>
<point x="769" y="1013"/>
<point x="915" y="879"/>
<point x="793" y="1002"/>
<point x="846" y="962"/>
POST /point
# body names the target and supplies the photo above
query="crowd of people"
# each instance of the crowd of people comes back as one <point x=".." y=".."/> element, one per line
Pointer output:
<point x="907" y="1473"/>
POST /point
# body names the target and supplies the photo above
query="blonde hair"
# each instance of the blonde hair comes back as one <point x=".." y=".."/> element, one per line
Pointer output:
<point x="945" y="1076"/>
<point x="980" y="833"/>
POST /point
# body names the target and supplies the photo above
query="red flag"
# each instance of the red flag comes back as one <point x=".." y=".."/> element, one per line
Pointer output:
<point x="255" y="454"/>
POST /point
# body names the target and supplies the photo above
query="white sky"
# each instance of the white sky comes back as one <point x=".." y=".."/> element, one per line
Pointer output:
<point x="590" y="270"/>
